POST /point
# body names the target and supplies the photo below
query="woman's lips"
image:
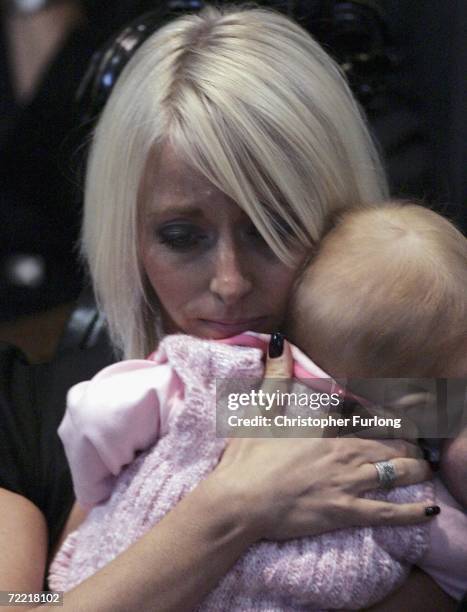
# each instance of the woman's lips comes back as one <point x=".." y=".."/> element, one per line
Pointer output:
<point x="231" y="328"/>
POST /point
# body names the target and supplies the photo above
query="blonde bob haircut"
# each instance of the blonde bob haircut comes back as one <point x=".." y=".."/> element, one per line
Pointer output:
<point x="251" y="101"/>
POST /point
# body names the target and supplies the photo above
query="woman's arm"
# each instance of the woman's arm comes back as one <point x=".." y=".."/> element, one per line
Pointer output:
<point x="262" y="488"/>
<point x="171" y="568"/>
<point x="177" y="563"/>
<point x="23" y="544"/>
<point x="183" y="557"/>
<point x="174" y="566"/>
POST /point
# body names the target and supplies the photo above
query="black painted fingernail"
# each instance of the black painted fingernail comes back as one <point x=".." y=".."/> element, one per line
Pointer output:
<point x="432" y="510"/>
<point x="276" y="345"/>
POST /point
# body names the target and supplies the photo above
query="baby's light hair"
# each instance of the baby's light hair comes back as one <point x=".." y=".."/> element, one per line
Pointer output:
<point x="386" y="296"/>
<point x="248" y="98"/>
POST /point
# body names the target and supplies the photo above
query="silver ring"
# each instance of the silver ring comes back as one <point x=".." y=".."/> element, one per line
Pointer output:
<point x="386" y="474"/>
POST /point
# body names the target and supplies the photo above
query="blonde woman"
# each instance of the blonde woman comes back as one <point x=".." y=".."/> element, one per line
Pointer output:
<point x="227" y="142"/>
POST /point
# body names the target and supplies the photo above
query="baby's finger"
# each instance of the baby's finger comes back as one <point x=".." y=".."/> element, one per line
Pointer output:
<point x="373" y="512"/>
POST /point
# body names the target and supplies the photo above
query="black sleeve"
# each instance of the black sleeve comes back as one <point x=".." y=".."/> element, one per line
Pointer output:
<point x="32" y="403"/>
<point x="19" y="426"/>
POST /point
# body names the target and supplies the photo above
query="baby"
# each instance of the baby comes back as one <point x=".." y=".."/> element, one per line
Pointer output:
<point x="387" y="297"/>
<point x="165" y="406"/>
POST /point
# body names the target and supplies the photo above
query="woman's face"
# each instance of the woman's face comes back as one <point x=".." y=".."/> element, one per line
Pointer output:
<point x="212" y="272"/>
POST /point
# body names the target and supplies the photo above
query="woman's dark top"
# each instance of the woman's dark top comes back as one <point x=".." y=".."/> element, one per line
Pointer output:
<point x="32" y="402"/>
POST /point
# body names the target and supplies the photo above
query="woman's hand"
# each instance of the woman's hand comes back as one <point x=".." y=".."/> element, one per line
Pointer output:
<point x="298" y="487"/>
<point x="305" y="486"/>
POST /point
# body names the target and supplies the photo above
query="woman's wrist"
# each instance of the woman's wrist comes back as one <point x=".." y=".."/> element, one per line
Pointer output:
<point x="232" y="507"/>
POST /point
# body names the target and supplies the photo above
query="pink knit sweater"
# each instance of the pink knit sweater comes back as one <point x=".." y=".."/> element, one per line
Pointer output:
<point x="346" y="569"/>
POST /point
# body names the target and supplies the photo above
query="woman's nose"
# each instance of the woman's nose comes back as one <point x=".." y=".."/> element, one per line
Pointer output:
<point x="229" y="280"/>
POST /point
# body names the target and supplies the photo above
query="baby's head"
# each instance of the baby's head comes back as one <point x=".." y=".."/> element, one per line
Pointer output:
<point x="386" y="296"/>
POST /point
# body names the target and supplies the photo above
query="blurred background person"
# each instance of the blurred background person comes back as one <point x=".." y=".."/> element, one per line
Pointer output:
<point x="45" y="48"/>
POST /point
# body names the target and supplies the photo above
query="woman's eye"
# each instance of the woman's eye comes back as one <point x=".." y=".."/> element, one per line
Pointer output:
<point x="180" y="239"/>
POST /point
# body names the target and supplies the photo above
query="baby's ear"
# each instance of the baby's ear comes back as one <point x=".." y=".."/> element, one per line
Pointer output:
<point x="415" y="399"/>
<point x="414" y="405"/>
